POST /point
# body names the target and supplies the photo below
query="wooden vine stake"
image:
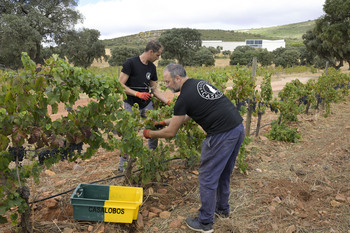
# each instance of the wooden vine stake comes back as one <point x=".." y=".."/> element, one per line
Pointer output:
<point x="250" y="110"/>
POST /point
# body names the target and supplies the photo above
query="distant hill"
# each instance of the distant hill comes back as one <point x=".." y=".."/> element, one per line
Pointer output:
<point x="292" y="33"/>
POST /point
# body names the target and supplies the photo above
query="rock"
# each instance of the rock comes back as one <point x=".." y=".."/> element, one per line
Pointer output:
<point x="322" y="212"/>
<point x="340" y="198"/>
<point x="274" y="227"/>
<point x="162" y="191"/>
<point x="51" y="203"/>
<point x="152" y="215"/>
<point x="150" y="191"/>
<point x="271" y="208"/>
<point x="300" y="173"/>
<point x="165" y="214"/>
<point x="265" y="158"/>
<point x="90" y="228"/>
<point x="101" y="229"/>
<point x="145" y="213"/>
<point x="68" y="230"/>
<point x="139" y="222"/>
<point x="277" y="199"/>
<point x="334" y="203"/>
<point x="260" y="184"/>
<point x="155" y="229"/>
<point x="306" y="224"/>
<point x="49" y="173"/>
<point x="291" y="229"/>
<point x="176" y="223"/>
<point x="155" y="210"/>
<point x="47" y="193"/>
<point x="60" y="182"/>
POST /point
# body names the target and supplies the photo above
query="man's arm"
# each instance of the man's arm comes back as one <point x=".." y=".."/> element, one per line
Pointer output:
<point x="157" y="93"/>
<point x="123" y="78"/>
<point x="174" y="124"/>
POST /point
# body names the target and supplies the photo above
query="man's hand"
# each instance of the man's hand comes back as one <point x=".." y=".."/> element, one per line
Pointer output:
<point x="159" y="124"/>
<point x="143" y="95"/>
<point x="146" y="133"/>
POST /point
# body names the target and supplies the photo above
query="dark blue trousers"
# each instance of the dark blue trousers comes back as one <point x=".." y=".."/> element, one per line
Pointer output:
<point x="218" y="158"/>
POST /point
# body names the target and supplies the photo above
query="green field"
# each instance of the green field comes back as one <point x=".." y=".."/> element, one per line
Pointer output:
<point x="293" y="31"/>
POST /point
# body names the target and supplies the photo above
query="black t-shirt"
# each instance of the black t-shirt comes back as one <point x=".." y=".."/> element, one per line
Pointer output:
<point x="140" y="76"/>
<point x="207" y="106"/>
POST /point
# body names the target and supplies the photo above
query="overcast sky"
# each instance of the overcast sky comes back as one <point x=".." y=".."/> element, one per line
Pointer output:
<point x="116" y="18"/>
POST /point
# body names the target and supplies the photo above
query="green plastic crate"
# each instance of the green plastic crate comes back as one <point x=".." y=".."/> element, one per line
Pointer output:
<point x="106" y="203"/>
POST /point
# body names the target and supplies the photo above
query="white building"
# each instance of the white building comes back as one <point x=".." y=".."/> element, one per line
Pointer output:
<point x="270" y="45"/>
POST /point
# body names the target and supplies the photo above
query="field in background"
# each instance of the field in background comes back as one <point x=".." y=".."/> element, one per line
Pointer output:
<point x="290" y="32"/>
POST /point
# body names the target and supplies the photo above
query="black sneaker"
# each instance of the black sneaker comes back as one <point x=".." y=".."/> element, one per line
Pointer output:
<point x="194" y="224"/>
<point x="221" y="214"/>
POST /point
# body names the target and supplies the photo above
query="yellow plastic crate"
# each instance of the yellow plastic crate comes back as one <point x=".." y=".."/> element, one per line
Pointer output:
<point x="106" y="203"/>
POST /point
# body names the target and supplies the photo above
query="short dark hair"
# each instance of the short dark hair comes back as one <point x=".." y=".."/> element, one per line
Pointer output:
<point x="153" y="45"/>
<point x="175" y="69"/>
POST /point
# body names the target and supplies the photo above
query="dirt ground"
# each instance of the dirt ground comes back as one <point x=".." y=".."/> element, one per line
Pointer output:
<point x="289" y="187"/>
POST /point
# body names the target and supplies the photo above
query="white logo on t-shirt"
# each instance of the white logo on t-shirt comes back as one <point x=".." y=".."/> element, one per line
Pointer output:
<point x="148" y="75"/>
<point x="208" y="91"/>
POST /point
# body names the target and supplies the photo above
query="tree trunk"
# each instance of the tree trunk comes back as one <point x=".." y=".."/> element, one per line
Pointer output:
<point x="128" y="169"/>
<point x="250" y="110"/>
<point x="37" y="54"/>
<point x="25" y="224"/>
<point x="249" y="118"/>
<point x="307" y="108"/>
<point x="258" y="124"/>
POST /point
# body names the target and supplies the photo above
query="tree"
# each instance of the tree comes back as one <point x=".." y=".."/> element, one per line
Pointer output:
<point x="289" y="58"/>
<point x="32" y="23"/>
<point x="306" y="57"/>
<point x="243" y="55"/>
<point x="12" y="41"/>
<point x="265" y="57"/>
<point x="180" y="44"/>
<point x="213" y="50"/>
<point x="82" y="47"/>
<point x="120" y="54"/>
<point x="332" y="29"/>
<point x="226" y="52"/>
<point x="203" y="57"/>
<point x="320" y="51"/>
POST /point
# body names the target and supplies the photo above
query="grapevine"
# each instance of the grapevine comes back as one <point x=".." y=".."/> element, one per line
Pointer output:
<point x="28" y="132"/>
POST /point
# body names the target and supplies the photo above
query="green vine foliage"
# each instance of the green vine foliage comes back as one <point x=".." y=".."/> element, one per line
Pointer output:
<point x="296" y="98"/>
<point x="332" y="88"/>
<point x="241" y="158"/>
<point x="243" y="86"/>
<point x="27" y="96"/>
<point x="281" y="132"/>
<point x="24" y="120"/>
<point x="289" y="107"/>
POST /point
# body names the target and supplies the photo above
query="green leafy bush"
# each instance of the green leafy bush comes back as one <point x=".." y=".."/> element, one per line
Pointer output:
<point x="281" y="132"/>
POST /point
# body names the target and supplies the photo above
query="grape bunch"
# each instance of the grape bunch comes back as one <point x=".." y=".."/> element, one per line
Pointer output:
<point x="17" y="152"/>
<point x="63" y="152"/>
